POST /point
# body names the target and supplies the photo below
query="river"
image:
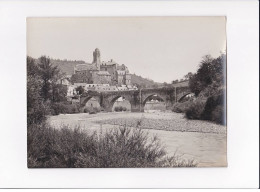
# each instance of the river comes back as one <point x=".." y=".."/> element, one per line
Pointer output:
<point x="205" y="142"/>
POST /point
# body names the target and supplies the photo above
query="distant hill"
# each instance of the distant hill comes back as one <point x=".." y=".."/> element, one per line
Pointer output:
<point x="67" y="66"/>
<point x="143" y="82"/>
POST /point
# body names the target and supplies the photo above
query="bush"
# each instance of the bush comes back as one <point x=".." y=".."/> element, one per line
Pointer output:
<point x="102" y="109"/>
<point x="64" y="108"/>
<point x="91" y="110"/>
<point x="120" y="108"/>
<point x="195" y="110"/>
<point x="215" y="110"/>
<point x="121" y="147"/>
<point x="181" y="107"/>
<point x="218" y="115"/>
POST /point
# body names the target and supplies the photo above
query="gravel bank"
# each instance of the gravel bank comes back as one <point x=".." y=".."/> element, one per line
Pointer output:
<point x="167" y="121"/>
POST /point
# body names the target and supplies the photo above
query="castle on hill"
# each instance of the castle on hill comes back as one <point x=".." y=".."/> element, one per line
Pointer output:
<point x="99" y="72"/>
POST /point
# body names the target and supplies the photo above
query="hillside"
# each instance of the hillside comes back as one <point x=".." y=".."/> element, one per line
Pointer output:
<point x="66" y="66"/>
<point x="143" y="82"/>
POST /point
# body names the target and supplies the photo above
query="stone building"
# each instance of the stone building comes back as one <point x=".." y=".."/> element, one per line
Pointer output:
<point x="101" y="77"/>
<point x="99" y="72"/>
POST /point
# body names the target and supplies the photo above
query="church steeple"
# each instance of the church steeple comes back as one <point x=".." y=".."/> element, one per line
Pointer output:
<point x="96" y="58"/>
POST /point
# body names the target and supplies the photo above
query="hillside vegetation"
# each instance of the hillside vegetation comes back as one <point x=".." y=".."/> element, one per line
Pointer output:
<point x="66" y="66"/>
<point x="209" y="86"/>
<point x="143" y="82"/>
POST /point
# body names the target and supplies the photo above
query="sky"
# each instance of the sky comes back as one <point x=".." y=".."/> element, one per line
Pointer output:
<point x="159" y="48"/>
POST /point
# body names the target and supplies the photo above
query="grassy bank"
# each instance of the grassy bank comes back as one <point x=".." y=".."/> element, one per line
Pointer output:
<point x="208" y="108"/>
<point x="120" y="147"/>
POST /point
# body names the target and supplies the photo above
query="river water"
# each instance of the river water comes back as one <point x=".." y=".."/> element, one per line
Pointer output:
<point x="207" y="149"/>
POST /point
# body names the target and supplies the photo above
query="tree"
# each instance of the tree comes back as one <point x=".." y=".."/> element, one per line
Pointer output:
<point x="32" y="68"/>
<point x="36" y="108"/>
<point x="49" y="76"/>
<point x="175" y="81"/>
<point x="211" y="72"/>
<point x="188" y="76"/>
<point x="80" y="90"/>
<point x="155" y="86"/>
<point x="59" y="92"/>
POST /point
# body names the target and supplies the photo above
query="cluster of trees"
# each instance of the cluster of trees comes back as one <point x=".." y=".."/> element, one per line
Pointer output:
<point x="211" y="73"/>
<point x="66" y="60"/>
<point x="186" y="77"/>
<point x="43" y="88"/>
<point x="209" y="88"/>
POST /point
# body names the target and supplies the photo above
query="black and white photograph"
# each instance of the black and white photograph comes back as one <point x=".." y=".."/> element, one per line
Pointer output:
<point x="136" y="95"/>
<point x="126" y="92"/>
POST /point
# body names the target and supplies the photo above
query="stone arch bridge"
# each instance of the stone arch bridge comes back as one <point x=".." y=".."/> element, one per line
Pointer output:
<point x="137" y="98"/>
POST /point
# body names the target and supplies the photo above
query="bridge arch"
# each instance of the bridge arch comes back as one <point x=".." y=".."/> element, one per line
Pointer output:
<point x="147" y="97"/>
<point x="182" y="96"/>
<point x="86" y="99"/>
<point x="147" y="106"/>
<point x="110" y="101"/>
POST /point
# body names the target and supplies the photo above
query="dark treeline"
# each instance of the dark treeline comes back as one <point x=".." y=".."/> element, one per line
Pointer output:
<point x="44" y="90"/>
<point x="209" y="86"/>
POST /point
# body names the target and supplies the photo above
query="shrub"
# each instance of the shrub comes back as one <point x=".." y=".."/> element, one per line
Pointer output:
<point x="195" y="110"/>
<point x="64" y="108"/>
<point x="117" y="108"/>
<point x="218" y="115"/>
<point x="102" y="109"/>
<point x="214" y="109"/>
<point x="181" y="107"/>
<point x="120" y="147"/>
<point x="120" y="108"/>
<point x="37" y="114"/>
<point x="91" y="110"/>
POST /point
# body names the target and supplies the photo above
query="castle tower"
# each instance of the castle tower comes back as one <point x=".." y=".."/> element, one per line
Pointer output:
<point x="96" y="58"/>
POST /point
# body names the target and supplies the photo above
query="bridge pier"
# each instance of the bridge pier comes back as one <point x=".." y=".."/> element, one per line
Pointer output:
<point x="169" y="104"/>
<point x="137" y="108"/>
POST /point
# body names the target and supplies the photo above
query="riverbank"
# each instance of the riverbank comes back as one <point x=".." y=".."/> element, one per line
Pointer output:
<point x="167" y="121"/>
<point x="203" y="141"/>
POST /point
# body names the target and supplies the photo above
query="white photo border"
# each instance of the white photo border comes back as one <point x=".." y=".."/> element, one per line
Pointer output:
<point x="242" y="98"/>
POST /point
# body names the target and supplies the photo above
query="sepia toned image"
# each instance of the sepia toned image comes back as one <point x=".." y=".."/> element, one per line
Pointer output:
<point x="126" y="92"/>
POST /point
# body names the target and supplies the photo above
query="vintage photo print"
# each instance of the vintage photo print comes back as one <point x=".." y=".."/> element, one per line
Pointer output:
<point x="126" y="92"/>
